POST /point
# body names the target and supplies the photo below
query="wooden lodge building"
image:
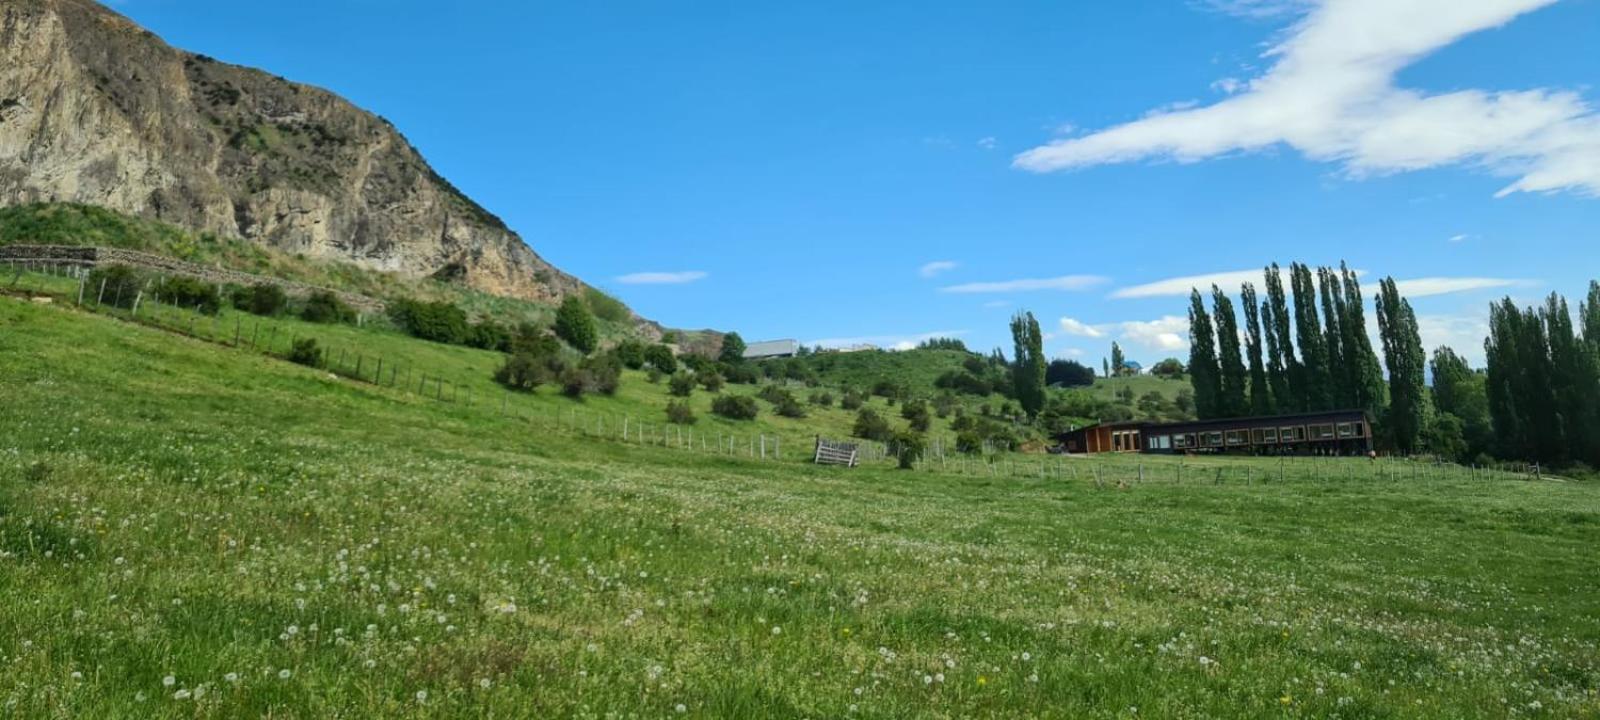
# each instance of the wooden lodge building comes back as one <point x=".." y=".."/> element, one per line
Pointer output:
<point x="1338" y="432"/>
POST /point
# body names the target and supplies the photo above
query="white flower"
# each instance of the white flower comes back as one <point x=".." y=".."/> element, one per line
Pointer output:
<point x="680" y="708"/>
<point x="422" y="696"/>
<point x="777" y="630"/>
<point x="284" y="674"/>
<point x="169" y="681"/>
<point x="231" y="677"/>
<point x="484" y="683"/>
<point x="927" y="679"/>
<point x="1026" y="656"/>
<point x="181" y="695"/>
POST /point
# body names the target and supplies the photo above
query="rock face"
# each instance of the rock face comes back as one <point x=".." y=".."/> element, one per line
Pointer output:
<point x="95" y="109"/>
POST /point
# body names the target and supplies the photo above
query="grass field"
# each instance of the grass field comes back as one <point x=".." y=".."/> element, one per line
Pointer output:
<point x="192" y="530"/>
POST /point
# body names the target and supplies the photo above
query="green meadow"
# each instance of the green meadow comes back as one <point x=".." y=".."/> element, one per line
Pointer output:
<point x="190" y="529"/>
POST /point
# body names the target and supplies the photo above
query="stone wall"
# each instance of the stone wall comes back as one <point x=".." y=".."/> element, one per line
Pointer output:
<point x="94" y="256"/>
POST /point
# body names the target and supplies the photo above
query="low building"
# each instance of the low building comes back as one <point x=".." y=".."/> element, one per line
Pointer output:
<point x="767" y="349"/>
<point x="1338" y="432"/>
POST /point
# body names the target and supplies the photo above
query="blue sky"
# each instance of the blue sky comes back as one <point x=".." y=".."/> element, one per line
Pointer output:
<point x="845" y="172"/>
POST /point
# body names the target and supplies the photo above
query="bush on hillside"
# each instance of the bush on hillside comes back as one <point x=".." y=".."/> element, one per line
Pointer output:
<point x="440" y="322"/>
<point x="790" y="407"/>
<point x="907" y="448"/>
<point x="821" y="398"/>
<point x="115" y="285"/>
<point x="733" y="347"/>
<point x="916" y="411"/>
<point x="603" y="374"/>
<point x="606" y="307"/>
<point x="711" y="381"/>
<point x="305" y="352"/>
<point x="661" y="358"/>
<point x="575" y="325"/>
<point x="735" y="407"/>
<point x="653" y="376"/>
<point x="851" y="400"/>
<point x="870" y="425"/>
<point x="631" y="354"/>
<point x="774" y="394"/>
<point x="191" y="294"/>
<point x="524" y="371"/>
<point x="489" y="335"/>
<point x="679" y="413"/>
<point x="681" y="385"/>
<point x="740" y="373"/>
<point x="325" y="307"/>
<point x="263" y="299"/>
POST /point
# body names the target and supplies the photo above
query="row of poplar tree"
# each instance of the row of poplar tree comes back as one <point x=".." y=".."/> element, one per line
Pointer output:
<point x="1307" y="349"/>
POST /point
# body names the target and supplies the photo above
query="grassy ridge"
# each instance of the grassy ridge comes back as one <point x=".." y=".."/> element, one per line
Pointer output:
<point x="278" y="542"/>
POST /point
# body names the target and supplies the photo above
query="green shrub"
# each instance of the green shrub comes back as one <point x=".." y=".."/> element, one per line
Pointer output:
<point x="305" y="352"/>
<point x="789" y="407"/>
<point x="191" y="294"/>
<point x="661" y="358"/>
<point x="907" y="448"/>
<point x="631" y="354"/>
<point x="871" y="426"/>
<point x="916" y="411"/>
<point x="524" y="371"/>
<point x="735" y="407"/>
<point x="969" y="442"/>
<point x="603" y="374"/>
<point x="653" y="376"/>
<point x="821" y="398"/>
<point x="575" y="324"/>
<point x="263" y="299"/>
<point x="440" y="322"/>
<point x="739" y="373"/>
<point x="775" y="394"/>
<point x="851" y="400"/>
<point x="733" y="348"/>
<point x="679" y="413"/>
<point x="115" y="285"/>
<point x="325" y="307"/>
<point x="711" y="381"/>
<point x="681" y="385"/>
<point x="489" y="335"/>
<point x="574" y="381"/>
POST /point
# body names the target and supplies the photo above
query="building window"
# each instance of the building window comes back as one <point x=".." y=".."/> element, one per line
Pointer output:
<point x="1347" y="430"/>
<point x="1264" y="436"/>
<point x="1182" y="441"/>
<point x="1238" y="437"/>
<point x="1322" y="432"/>
<point x="1211" y="439"/>
<point x="1292" y="434"/>
<point x="1360" y="429"/>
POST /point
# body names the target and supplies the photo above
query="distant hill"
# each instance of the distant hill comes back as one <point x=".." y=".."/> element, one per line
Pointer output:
<point x="95" y="109"/>
<point x="913" y="368"/>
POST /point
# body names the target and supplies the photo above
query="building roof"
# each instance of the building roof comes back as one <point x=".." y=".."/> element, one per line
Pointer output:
<point x="771" y="348"/>
<point x="1226" y="423"/>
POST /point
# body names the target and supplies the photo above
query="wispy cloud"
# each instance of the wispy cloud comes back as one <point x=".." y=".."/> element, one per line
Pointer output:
<point x="1463" y="237"/>
<point x="1167" y="334"/>
<point x="1228" y="281"/>
<point x="1331" y="94"/>
<point x="1072" y="326"/>
<point x="662" y="278"/>
<point x="894" y="342"/>
<point x="1425" y="287"/>
<point x="987" y="143"/>
<point x="935" y="268"/>
<point x="992" y="304"/>
<point x="1065" y="282"/>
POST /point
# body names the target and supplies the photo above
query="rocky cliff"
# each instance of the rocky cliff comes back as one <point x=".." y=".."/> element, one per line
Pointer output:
<point x="95" y="109"/>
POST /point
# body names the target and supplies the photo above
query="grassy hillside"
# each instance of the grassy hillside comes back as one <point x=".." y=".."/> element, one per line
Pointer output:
<point x="72" y="224"/>
<point x="188" y="529"/>
<point x="914" y="368"/>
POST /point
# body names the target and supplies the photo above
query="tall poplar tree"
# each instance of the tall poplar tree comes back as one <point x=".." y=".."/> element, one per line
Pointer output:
<point x="1260" y="390"/>
<point x="1119" y="362"/>
<point x="1027" y="372"/>
<point x="1283" y="369"/>
<point x="1340" y="391"/>
<point x="1574" y="381"/>
<point x="1522" y="398"/>
<point x="1203" y="373"/>
<point x="1366" y="374"/>
<point x="1230" y="361"/>
<point x="1314" y="372"/>
<point x="1402" y="351"/>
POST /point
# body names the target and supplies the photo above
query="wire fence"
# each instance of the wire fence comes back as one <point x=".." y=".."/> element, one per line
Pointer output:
<point x="261" y="335"/>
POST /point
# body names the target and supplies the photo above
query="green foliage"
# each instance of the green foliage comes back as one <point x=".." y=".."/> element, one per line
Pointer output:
<point x="851" y="400"/>
<point x="325" y="307"/>
<point x="907" y="448"/>
<point x="439" y="322"/>
<point x="115" y="285"/>
<point x="653" y="375"/>
<point x="660" y="357"/>
<point x="488" y="335"/>
<point x="264" y="299"/>
<point x="1169" y="368"/>
<point x="943" y="343"/>
<point x="735" y="407"/>
<point x="605" y="307"/>
<point x="631" y="353"/>
<point x="305" y="352"/>
<point x="1316" y="374"/>
<point x="916" y="412"/>
<point x="1067" y="373"/>
<point x="1283" y="370"/>
<point x="711" y="380"/>
<point x="1204" y="372"/>
<point x="1462" y="393"/>
<point x="1027" y="372"/>
<point x="681" y="385"/>
<point x="733" y="348"/>
<point x="575" y="325"/>
<point x="679" y="413"/>
<point x="1260" y="389"/>
<point x="190" y="293"/>
<point x="821" y="398"/>
<point x="1232" y="402"/>
<point x="1406" y="360"/>
<point x="870" y="425"/>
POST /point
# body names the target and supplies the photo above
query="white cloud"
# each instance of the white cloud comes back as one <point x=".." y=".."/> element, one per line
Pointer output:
<point x="1331" y="94"/>
<point x="1463" y="333"/>
<point x="936" y="267"/>
<point x="997" y="304"/>
<point x="986" y="143"/>
<point x="1428" y="286"/>
<point x="662" y="278"/>
<point x="1167" y="334"/>
<point x="1072" y="326"/>
<point x="895" y="342"/>
<point x="1228" y="281"/>
<point x="1463" y="237"/>
<point x="1257" y="9"/>
<point x="1065" y="282"/>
